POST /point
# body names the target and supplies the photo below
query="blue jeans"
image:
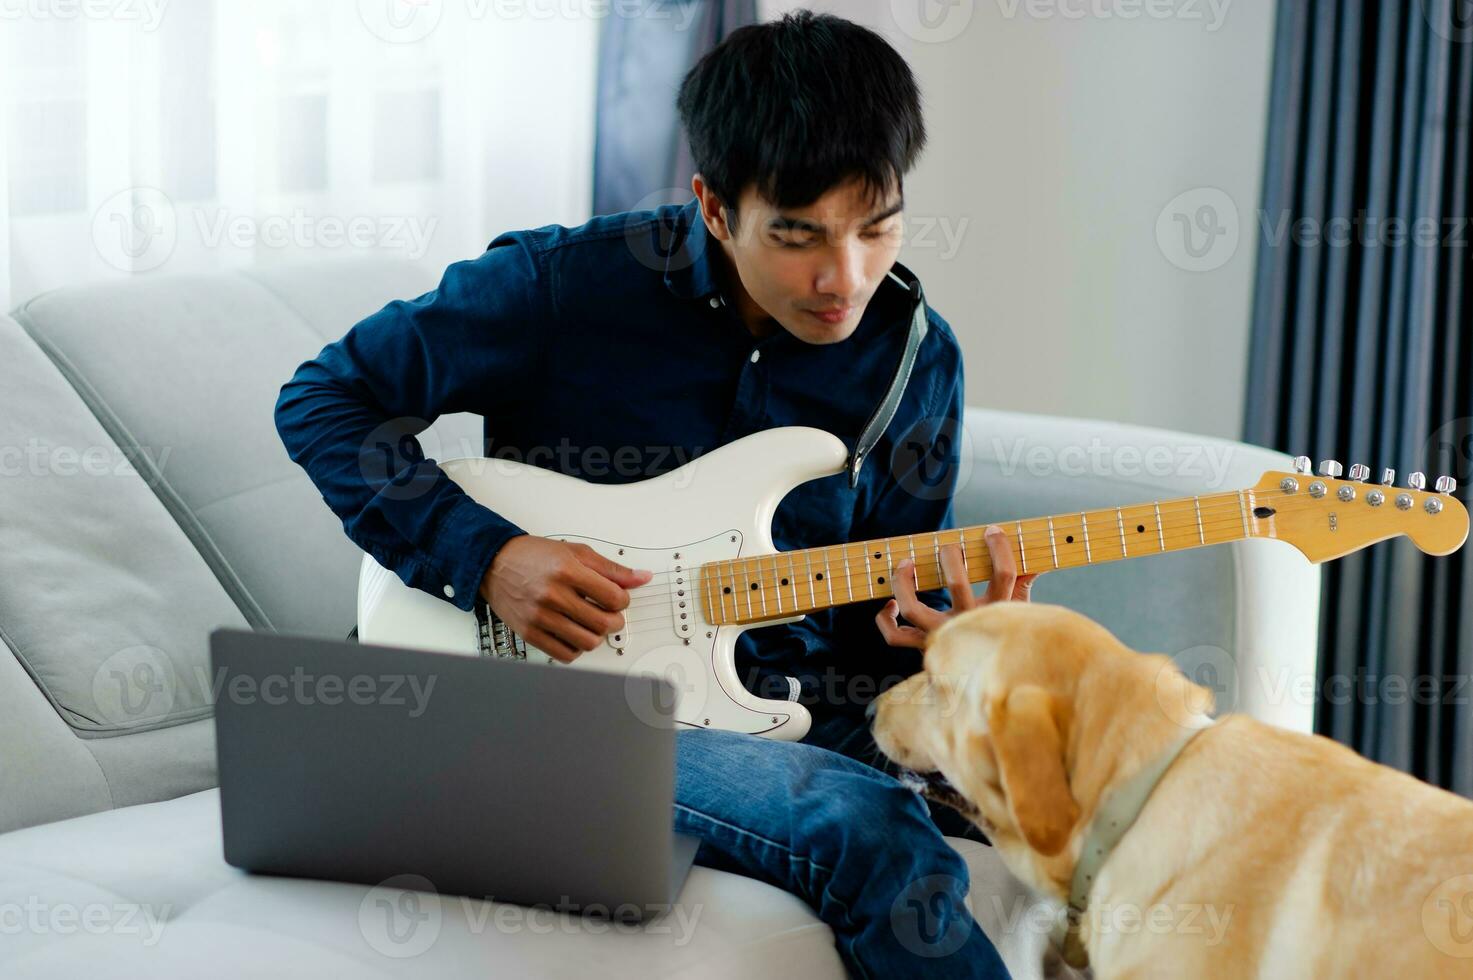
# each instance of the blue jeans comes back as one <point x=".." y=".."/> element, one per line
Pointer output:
<point x="861" y="849"/>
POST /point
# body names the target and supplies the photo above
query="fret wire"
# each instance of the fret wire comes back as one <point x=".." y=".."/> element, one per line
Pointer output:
<point x="1197" y="502"/>
<point x="793" y="580"/>
<point x="848" y="576"/>
<point x="776" y="589"/>
<point x="1243" y="510"/>
<point x="808" y="563"/>
<point x="747" y="589"/>
<point x="1084" y="529"/>
<point x="1022" y="551"/>
<point x="1160" y="532"/>
<point x="828" y="574"/>
<point x="1120" y="517"/>
<point x="869" y="574"/>
<point x="1052" y="542"/>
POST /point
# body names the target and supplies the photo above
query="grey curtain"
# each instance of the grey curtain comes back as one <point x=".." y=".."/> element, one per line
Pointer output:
<point x="1362" y="344"/>
<point x="641" y="159"/>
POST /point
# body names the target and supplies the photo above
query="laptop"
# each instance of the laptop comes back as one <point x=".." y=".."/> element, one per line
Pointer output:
<point x="527" y="783"/>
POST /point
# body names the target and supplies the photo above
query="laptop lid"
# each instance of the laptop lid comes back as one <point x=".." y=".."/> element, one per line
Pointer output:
<point x="521" y="782"/>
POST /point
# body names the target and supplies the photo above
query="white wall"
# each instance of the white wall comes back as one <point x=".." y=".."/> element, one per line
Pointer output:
<point x="1059" y="131"/>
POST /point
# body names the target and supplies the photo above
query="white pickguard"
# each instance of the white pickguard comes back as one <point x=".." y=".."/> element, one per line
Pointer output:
<point x="715" y="507"/>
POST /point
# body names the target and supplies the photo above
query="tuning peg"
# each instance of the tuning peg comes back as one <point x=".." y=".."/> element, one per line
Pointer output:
<point x="1417" y="481"/>
<point x="1388" y="477"/>
<point x="1360" y="472"/>
<point x="1446" y="484"/>
<point x="1331" y="468"/>
<point x="1301" y="464"/>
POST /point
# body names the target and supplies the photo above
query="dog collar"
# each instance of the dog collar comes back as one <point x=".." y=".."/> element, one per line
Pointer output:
<point x="1114" y="817"/>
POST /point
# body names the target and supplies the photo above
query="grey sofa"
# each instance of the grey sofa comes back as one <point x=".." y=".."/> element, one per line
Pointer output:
<point x="145" y="499"/>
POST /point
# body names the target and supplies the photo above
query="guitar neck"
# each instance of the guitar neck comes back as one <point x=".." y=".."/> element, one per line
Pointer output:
<point x="766" y="587"/>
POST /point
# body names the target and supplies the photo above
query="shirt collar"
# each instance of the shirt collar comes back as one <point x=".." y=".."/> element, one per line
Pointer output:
<point x="688" y="261"/>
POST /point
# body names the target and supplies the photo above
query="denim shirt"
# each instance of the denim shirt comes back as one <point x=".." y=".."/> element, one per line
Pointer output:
<point x="610" y="353"/>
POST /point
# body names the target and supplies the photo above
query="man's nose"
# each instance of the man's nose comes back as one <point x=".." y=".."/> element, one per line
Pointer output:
<point x="845" y="273"/>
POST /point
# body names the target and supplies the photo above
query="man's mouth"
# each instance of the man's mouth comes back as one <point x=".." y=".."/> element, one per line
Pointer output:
<point x="833" y="315"/>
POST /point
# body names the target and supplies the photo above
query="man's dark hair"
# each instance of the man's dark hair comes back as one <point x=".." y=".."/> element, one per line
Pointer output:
<point x="798" y="106"/>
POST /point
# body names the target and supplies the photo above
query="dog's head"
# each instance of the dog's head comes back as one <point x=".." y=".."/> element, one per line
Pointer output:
<point x="1023" y="717"/>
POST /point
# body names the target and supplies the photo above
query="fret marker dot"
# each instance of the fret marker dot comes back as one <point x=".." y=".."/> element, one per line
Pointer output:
<point x="1140" y="529"/>
<point x="785" y="581"/>
<point x="819" y="576"/>
<point x="882" y="580"/>
<point x="754" y="585"/>
<point x="1070" y="539"/>
<point x="726" y="591"/>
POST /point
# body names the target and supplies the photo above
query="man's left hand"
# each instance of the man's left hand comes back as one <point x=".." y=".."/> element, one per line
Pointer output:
<point x="1006" y="584"/>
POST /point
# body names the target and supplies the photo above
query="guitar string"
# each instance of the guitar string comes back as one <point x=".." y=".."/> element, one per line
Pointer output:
<point x="975" y="551"/>
<point x="1215" y="515"/>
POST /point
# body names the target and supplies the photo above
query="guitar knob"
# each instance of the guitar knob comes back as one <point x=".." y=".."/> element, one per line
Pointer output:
<point x="1388" y="477"/>
<point x="1417" y="481"/>
<point x="1360" y="472"/>
<point x="1446" y="484"/>
<point x="1331" y="468"/>
<point x="1301" y="464"/>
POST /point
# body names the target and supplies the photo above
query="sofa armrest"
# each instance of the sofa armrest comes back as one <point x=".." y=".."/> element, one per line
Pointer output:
<point x="1242" y="618"/>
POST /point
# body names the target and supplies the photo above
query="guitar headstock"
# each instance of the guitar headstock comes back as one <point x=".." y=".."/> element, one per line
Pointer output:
<point x="1326" y="517"/>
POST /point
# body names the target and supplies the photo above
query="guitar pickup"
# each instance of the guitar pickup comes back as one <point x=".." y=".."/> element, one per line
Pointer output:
<point x="682" y="605"/>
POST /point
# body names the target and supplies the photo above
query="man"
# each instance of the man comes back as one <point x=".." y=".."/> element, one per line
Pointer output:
<point x="650" y="338"/>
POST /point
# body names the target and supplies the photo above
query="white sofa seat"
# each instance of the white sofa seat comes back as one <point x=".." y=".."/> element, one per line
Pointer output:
<point x="144" y="892"/>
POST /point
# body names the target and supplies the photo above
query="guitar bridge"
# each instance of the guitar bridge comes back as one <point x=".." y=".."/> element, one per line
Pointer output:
<point x="494" y="638"/>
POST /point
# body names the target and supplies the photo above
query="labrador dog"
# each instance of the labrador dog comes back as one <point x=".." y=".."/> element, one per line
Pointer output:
<point x="1260" y="852"/>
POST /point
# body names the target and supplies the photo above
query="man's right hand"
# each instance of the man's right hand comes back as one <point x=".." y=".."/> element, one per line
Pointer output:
<point x="561" y="598"/>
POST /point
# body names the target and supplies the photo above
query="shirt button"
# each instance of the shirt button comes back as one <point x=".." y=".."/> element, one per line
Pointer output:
<point x="715" y="302"/>
<point x="756" y="356"/>
<point x="450" y="592"/>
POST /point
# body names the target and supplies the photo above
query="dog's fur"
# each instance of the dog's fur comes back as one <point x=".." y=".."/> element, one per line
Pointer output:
<point x="1261" y="853"/>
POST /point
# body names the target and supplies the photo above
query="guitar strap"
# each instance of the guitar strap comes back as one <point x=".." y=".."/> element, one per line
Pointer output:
<point x="885" y="410"/>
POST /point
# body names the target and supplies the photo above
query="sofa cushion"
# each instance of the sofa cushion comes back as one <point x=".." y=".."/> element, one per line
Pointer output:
<point x="164" y="903"/>
<point x="104" y="610"/>
<point x="191" y="365"/>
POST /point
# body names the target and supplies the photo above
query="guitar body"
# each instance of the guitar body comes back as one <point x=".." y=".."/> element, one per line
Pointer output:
<point x="718" y="506"/>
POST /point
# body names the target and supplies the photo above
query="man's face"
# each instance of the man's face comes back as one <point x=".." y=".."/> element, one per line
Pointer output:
<point x="813" y="269"/>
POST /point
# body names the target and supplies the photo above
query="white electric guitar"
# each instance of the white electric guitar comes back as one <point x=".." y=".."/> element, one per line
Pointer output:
<point x="705" y="531"/>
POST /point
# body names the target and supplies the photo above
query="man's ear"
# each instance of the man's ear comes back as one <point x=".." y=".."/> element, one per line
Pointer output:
<point x="1028" y="738"/>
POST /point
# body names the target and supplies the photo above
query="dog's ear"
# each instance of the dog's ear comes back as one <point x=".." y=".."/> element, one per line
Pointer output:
<point x="1027" y="729"/>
